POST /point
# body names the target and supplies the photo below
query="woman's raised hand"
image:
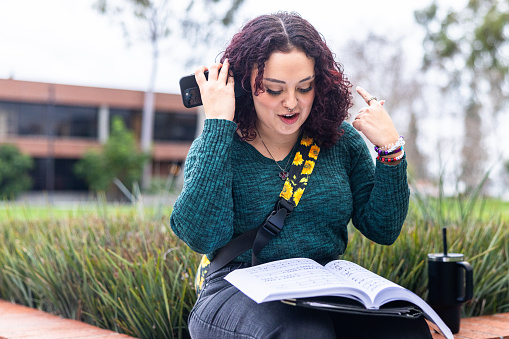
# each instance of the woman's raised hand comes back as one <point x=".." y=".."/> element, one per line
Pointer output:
<point x="217" y="93"/>
<point x="374" y="121"/>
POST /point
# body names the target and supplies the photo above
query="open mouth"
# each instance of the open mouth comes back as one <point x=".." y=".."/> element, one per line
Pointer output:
<point x="289" y="118"/>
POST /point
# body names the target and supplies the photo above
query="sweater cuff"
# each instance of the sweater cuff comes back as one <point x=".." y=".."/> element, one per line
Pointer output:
<point x="219" y="128"/>
<point x="218" y="132"/>
<point x="393" y="177"/>
<point x="392" y="170"/>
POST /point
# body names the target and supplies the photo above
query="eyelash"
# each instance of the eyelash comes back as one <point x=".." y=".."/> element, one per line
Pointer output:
<point x="303" y="91"/>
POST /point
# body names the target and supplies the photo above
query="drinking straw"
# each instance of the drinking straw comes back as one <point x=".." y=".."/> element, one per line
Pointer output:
<point x="444" y="238"/>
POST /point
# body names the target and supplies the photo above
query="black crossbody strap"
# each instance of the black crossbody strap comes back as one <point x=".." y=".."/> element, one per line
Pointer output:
<point x="270" y="228"/>
<point x="293" y="188"/>
<point x="232" y="250"/>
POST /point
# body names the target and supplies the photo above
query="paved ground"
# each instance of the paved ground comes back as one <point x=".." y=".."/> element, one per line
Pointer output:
<point x="486" y="327"/>
<point x="17" y="322"/>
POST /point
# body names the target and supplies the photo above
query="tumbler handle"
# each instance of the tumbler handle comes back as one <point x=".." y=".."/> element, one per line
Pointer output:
<point x="469" y="282"/>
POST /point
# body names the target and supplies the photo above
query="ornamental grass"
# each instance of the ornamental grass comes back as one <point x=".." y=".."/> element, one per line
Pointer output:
<point x="127" y="271"/>
<point x="119" y="272"/>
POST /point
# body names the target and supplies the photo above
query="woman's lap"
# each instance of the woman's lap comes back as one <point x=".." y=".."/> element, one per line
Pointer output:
<point x="222" y="311"/>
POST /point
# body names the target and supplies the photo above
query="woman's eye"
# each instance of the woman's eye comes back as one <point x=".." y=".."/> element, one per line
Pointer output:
<point x="305" y="90"/>
<point x="271" y="92"/>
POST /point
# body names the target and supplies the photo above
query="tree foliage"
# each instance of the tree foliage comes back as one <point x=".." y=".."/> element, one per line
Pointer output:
<point x="472" y="40"/>
<point x="372" y="65"/>
<point x="156" y="20"/>
<point x="196" y="21"/>
<point x="469" y="48"/>
<point x="119" y="158"/>
<point x="14" y="168"/>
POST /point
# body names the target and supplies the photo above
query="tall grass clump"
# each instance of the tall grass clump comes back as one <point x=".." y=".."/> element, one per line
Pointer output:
<point x="481" y="234"/>
<point x="118" y="272"/>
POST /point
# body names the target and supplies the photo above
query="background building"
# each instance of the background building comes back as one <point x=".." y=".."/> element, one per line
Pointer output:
<point x="56" y="124"/>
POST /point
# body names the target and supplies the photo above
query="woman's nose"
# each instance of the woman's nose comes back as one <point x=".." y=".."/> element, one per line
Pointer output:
<point x="290" y="101"/>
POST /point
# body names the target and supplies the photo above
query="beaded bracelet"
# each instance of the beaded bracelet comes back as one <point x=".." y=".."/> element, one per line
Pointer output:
<point x="388" y="152"/>
<point x="389" y="149"/>
<point x="382" y="159"/>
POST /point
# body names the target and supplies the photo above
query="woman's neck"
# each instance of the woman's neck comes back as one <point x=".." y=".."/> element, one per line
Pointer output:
<point x="273" y="145"/>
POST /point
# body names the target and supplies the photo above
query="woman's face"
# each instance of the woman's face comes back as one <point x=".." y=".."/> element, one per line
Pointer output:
<point x="288" y="84"/>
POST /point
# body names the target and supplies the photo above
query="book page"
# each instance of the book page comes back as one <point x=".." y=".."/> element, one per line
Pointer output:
<point x="285" y="278"/>
<point x="383" y="290"/>
<point x="370" y="282"/>
<point x="299" y="278"/>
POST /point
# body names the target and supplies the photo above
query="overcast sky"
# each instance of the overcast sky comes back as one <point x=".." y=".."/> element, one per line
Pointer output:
<point x="64" y="41"/>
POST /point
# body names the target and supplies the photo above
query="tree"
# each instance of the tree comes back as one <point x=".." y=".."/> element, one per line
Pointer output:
<point x="14" y="168"/>
<point x="469" y="46"/>
<point x="158" y="21"/>
<point x="119" y="158"/>
<point x="384" y="71"/>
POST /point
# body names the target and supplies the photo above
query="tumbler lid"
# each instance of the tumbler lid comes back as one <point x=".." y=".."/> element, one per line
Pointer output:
<point x="449" y="257"/>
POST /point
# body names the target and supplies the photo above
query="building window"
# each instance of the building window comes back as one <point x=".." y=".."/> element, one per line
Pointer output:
<point x="75" y="121"/>
<point x="27" y="119"/>
<point x="130" y="117"/>
<point x="62" y="173"/>
<point x="174" y="126"/>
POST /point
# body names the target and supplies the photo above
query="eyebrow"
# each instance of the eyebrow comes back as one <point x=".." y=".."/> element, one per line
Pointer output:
<point x="282" y="82"/>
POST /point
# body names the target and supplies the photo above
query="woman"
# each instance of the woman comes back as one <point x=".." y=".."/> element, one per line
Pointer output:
<point x="232" y="177"/>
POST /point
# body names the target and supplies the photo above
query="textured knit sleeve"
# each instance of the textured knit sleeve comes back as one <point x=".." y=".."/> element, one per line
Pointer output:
<point x="203" y="213"/>
<point x="380" y="197"/>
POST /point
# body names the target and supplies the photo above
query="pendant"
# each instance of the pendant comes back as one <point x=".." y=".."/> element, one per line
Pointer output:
<point x="283" y="175"/>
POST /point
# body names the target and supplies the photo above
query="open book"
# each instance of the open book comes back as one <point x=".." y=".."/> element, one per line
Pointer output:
<point x="302" y="278"/>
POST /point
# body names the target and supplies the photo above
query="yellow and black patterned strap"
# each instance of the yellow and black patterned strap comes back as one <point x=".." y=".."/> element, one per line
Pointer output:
<point x="201" y="273"/>
<point x="302" y="166"/>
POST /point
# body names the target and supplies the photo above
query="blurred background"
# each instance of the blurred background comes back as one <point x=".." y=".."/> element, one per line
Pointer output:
<point x="68" y="69"/>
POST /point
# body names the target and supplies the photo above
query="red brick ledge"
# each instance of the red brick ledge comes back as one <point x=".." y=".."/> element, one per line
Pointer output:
<point x="494" y="326"/>
<point x="18" y="321"/>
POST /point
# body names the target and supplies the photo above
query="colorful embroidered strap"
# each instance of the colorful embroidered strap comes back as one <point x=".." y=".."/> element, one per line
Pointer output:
<point x="302" y="166"/>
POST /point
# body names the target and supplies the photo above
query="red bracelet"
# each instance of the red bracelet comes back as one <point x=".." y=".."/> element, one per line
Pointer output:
<point x="383" y="159"/>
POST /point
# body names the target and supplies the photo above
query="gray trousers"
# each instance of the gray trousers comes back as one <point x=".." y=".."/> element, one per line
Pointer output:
<point x="223" y="312"/>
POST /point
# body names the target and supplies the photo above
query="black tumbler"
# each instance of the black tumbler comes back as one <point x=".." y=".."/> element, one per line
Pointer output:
<point x="450" y="284"/>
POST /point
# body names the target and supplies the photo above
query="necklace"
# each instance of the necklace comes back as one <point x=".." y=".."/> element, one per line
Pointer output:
<point x="284" y="173"/>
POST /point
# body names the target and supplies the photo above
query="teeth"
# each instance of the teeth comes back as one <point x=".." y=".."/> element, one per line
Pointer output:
<point x="288" y="115"/>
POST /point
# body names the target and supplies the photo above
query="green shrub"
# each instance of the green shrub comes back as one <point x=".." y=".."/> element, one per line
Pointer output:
<point x="14" y="168"/>
<point x="119" y="158"/>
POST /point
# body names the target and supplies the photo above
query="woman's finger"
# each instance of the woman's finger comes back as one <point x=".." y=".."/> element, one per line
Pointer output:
<point x="368" y="98"/>
<point x="223" y="73"/>
<point x="199" y="75"/>
<point x="214" y="72"/>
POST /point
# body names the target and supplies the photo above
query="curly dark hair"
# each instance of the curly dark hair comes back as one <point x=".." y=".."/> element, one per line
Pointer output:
<point x="285" y="32"/>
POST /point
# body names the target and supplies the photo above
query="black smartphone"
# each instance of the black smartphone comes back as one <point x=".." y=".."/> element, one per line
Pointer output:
<point x="191" y="92"/>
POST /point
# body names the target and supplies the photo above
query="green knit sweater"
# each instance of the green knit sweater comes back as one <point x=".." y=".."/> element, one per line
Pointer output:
<point x="230" y="188"/>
